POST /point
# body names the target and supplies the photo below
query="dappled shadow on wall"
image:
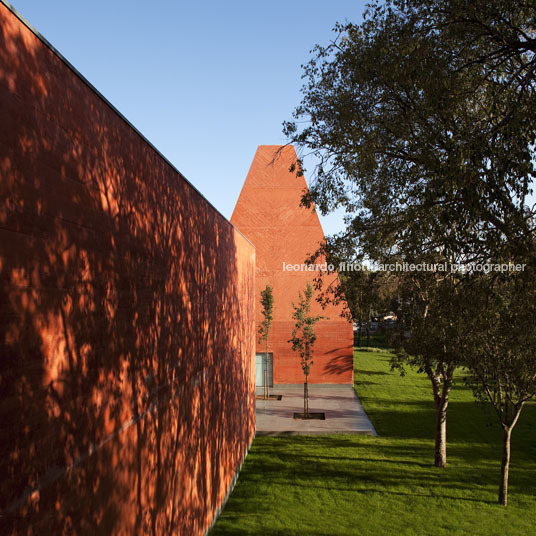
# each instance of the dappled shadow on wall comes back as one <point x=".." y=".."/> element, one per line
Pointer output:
<point x="125" y="310"/>
<point x="341" y="361"/>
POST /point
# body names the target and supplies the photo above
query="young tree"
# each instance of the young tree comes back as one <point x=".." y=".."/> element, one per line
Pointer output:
<point x="501" y="351"/>
<point x="267" y="303"/>
<point x="304" y="337"/>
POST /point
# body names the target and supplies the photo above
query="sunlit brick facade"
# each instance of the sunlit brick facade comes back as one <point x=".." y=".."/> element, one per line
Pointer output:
<point x="268" y="212"/>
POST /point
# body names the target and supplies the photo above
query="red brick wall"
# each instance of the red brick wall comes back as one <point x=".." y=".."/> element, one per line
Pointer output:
<point x="126" y="318"/>
<point x="268" y="212"/>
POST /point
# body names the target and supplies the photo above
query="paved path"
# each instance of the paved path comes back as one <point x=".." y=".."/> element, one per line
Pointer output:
<point x="344" y="412"/>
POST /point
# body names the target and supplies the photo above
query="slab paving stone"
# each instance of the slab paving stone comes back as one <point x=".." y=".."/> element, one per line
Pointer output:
<point x="344" y="412"/>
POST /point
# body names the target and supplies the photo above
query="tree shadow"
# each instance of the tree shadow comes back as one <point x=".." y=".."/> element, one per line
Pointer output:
<point x="338" y="365"/>
<point x="127" y="317"/>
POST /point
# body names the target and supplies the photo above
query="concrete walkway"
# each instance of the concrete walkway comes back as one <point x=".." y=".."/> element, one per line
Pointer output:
<point x="344" y="412"/>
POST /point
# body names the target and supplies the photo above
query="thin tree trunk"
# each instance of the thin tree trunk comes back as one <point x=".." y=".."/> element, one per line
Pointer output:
<point x="305" y="399"/>
<point x="505" y="467"/>
<point x="441" y="401"/>
<point x="268" y="369"/>
<point x="441" y="435"/>
<point x="368" y="326"/>
<point x="359" y="335"/>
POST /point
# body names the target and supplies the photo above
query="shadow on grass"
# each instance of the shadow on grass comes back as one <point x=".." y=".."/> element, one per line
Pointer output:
<point x="372" y="373"/>
<point x="389" y="482"/>
<point x="394" y="467"/>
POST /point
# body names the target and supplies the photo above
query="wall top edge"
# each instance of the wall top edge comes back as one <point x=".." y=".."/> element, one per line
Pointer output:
<point x="86" y="82"/>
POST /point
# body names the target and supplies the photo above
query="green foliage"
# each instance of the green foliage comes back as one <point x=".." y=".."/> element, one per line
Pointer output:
<point x="500" y="347"/>
<point x="362" y="292"/>
<point x="422" y="120"/>
<point x="303" y="335"/>
<point x="267" y="303"/>
<point x="431" y="312"/>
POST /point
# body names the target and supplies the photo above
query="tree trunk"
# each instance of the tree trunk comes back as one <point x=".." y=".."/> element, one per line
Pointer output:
<point x="305" y="399"/>
<point x="359" y="335"/>
<point x="368" y="326"/>
<point x="505" y="467"/>
<point x="267" y="369"/>
<point x="441" y="392"/>
<point x="441" y="434"/>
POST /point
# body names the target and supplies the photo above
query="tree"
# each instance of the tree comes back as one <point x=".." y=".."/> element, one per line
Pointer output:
<point x="362" y="291"/>
<point x="425" y="135"/>
<point x="427" y="303"/>
<point x="415" y="139"/>
<point x="267" y="303"/>
<point x="501" y="351"/>
<point x="304" y="338"/>
<point x="503" y="31"/>
<point x="430" y="309"/>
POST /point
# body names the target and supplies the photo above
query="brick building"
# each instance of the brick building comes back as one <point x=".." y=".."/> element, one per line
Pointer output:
<point x="127" y="321"/>
<point x="268" y="212"/>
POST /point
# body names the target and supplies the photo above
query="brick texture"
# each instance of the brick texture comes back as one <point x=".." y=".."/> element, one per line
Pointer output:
<point x="126" y="318"/>
<point x="268" y="212"/>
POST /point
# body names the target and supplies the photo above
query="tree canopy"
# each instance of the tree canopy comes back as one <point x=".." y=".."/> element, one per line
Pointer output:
<point x="422" y="119"/>
<point x="423" y="124"/>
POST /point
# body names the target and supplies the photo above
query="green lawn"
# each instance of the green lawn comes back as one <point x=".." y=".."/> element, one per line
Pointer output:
<point x="387" y="485"/>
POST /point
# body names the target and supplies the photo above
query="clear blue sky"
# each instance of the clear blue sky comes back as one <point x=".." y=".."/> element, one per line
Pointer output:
<point x="205" y="82"/>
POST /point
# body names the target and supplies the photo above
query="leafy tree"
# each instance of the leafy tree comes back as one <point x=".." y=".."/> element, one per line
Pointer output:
<point x="430" y="309"/>
<point x="361" y="291"/>
<point x="502" y="30"/>
<point x="267" y="303"/>
<point x="420" y="144"/>
<point x="501" y="351"/>
<point x="424" y="131"/>
<point x="304" y="338"/>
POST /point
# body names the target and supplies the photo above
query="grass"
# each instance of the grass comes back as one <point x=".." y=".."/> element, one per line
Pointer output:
<point x="387" y="485"/>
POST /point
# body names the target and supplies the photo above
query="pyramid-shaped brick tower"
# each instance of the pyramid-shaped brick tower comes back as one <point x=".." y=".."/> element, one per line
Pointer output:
<point x="269" y="214"/>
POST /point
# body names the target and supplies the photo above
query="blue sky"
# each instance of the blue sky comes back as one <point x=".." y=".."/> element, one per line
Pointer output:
<point x="205" y="82"/>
